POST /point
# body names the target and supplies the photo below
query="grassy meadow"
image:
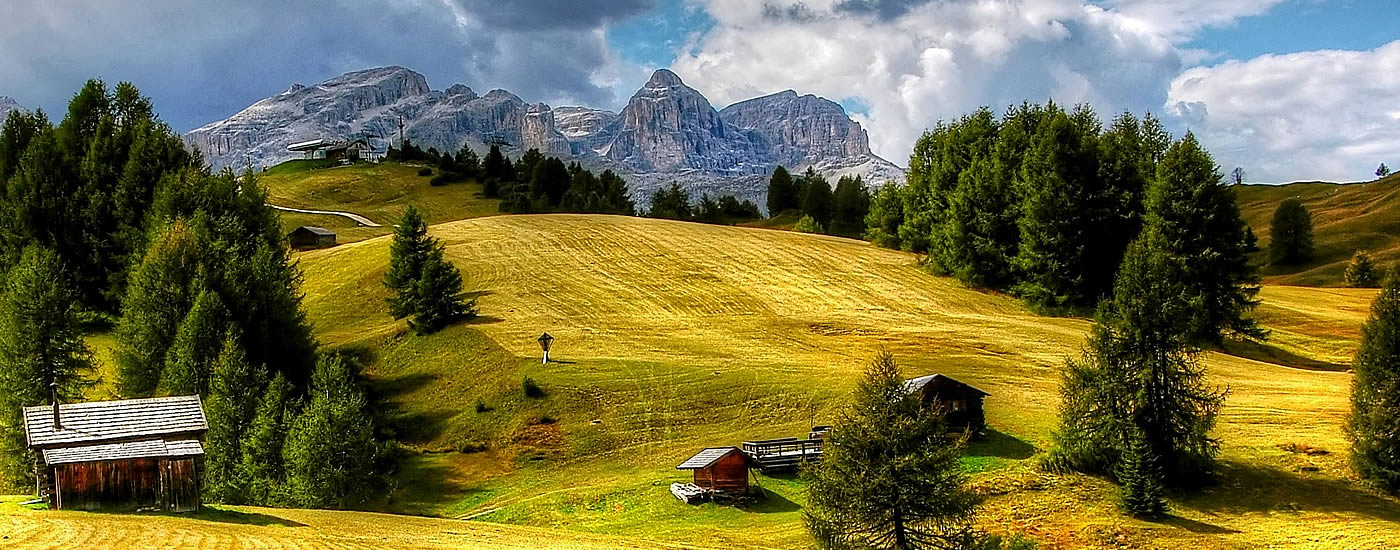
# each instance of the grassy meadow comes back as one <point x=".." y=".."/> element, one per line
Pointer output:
<point x="1346" y="218"/>
<point x="675" y="336"/>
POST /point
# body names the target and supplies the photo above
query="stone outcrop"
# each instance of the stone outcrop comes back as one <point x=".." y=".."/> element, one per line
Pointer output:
<point x="7" y="105"/>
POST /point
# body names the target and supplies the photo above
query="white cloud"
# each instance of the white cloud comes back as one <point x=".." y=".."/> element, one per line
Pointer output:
<point x="932" y="60"/>
<point x="1326" y="115"/>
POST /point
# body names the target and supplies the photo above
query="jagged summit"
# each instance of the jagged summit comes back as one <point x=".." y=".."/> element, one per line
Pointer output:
<point x="294" y="88"/>
<point x="667" y="129"/>
<point x="7" y="106"/>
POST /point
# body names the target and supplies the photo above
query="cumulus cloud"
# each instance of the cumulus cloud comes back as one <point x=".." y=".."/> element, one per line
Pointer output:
<point x="1328" y="115"/>
<point x="205" y="59"/>
<point x="914" y="63"/>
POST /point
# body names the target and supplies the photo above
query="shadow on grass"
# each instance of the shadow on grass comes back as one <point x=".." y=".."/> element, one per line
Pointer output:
<point x="772" y="503"/>
<point x="1266" y="353"/>
<point x="1000" y="445"/>
<point x="484" y="320"/>
<point x="1255" y="488"/>
<point x="1195" y="526"/>
<point x="387" y="393"/>
<point x="223" y="515"/>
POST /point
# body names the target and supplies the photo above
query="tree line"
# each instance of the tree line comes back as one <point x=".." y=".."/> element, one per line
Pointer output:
<point x="839" y="212"/>
<point x="107" y="216"/>
<point x="673" y="202"/>
<point x="1043" y="202"/>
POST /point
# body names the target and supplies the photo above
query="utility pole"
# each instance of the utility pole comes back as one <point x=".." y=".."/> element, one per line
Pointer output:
<point x="400" y="132"/>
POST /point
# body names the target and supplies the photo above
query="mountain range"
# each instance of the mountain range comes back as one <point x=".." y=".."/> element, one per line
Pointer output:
<point x="7" y="104"/>
<point x="667" y="131"/>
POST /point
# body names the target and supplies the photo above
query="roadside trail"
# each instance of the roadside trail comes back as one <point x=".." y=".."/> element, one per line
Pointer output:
<point x="353" y="217"/>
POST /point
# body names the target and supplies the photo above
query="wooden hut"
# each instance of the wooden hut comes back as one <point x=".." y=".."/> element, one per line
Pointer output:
<point x="310" y="236"/>
<point x="137" y="454"/>
<point x="963" y="402"/>
<point x="720" y="469"/>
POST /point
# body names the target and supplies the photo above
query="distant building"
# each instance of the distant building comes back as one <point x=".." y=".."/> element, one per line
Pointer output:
<point x="963" y="402"/>
<point x="136" y="454"/>
<point x="310" y="236"/>
<point x="352" y="150"/>
<point x="720" y="469"/>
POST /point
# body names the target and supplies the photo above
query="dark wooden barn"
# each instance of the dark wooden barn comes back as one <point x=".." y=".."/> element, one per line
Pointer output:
<point x="310" y="236"/>
<point x="720" y="469"/>
<point x="963" y="402"/>
<point x="137" y="454"/>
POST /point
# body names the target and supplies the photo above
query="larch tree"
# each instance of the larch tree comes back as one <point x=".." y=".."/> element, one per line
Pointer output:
<point x="198" y="342"/>
<point x="890" y="476"/>
<point x="1291" y="233"/>
<point x="157" y="300"/>
<point x="1374" y="423"/>
<point x="233" y="401"/>
<point x="407" y="253"/>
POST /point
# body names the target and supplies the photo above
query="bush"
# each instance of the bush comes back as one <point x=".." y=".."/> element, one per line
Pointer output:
<point x="425" y="172"/>
<point x="808" y="225"/>
<point x="444" y="178"/>
<point x="1015" y="542"/>
<point x="1362" y="272"/>
<point x="481" y="406"/>
<point x="531" y="388"/>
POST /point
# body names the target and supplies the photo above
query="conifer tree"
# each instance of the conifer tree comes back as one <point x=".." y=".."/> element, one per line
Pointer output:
<point x="818" y="201"/>
<point x="851" y="204"/>
<point x="886" y="216"/>
<point x="1374" y="423"/>
<point x="261" y="462"/>
<point x="782" y="192"/>
<point x="331" y="454"/>
<point x="971" y="137"/>
<point x="41" y="350"/>
<point x="407" y="255"/>
<point x="438" y="293"/>
<point x="1362" y="272"/>
<point x="157" y="300"/>
<point x="1291" y="233"/>
<point x="197" y="344"/>
<point x="671" y="202"/>
<point x="496" y="172"/>
<point x="1141" y="493"/>
<point x="549" y="180"/>
<point x="889" y="477"/>
<point x="1141" y="376"/>
<point x="1198" y="215"/>
<point x="233" y="401"/>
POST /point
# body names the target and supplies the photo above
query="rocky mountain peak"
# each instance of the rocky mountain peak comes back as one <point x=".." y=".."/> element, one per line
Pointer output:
<point x="664" y="78"/>
<point x="460" y="89"/>
<point x="502" y="95"/>
<point x="7" y="106"/>
<point x="294" y="88"/>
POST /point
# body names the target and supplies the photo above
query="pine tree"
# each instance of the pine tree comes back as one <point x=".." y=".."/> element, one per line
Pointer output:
<point x="1198" y="214"/>
<point x="889" y="477"/>
<point x="197" y="344"/>
<point x="672" y="203"/>
<point x="261" y="461"/>
<point x="1141" y="493"/>
<point x="407" y="255"/>
<point x="438" y="294"/>
<point x="1374" y="424"/>
<point x="1141" y="375"/>
<point x="885" y="216"/>
<point x="331" y="454"/>
<point x="41" y="349"/>
<point x="818" y="202"/>
<point x="1291" y="233"/>
<point x="233" y="401"/>
<point x="496" y="172"/>
<point x="782" y="192"/>
<point x="852" y="203"/>
<point x="1362" y="272"/>
<point x="158" y="298"/>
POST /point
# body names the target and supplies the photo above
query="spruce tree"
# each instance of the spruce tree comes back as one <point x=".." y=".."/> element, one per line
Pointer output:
<point x="672" y="203"/>
<point x="1291" y="233"/>
<point x="410" y="249"/>
<point x="885" y="216"/>
<point x="41" y="349"/>
<point x="331" y="455"/>
<point x="1198" y="215"/>
<point x="890" y="476"/>
<point x="232" y="403"/>
<point x="1141" y="375"/>
<point x="198" y="342"/>
<point x="1362" y="272"/>
<point x="157" y="300"/>
<point x="1374" y="423"/>
<point x="496" y="172"/>
<point x="818" y="202"/>
<point x="1141" y="493"/>
<point x="851" y="204"/>
<point x="261" y="463"/>
<point x="971" y="137"/>
<point x="549" y="180"/>
<point x="782" y="192"/>
<point x="438" y="294"/>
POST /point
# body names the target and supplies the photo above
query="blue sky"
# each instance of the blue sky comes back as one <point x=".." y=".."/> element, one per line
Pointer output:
<point x="1288" y="89"/>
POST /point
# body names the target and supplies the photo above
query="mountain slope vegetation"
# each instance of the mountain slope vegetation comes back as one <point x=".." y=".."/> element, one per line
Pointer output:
<point x="675" y="336"/>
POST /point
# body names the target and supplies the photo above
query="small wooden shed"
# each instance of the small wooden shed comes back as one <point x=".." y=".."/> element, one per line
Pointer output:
<point x="720" y="469"/>
<point x="136" y="454"/>
<point x="963" y="402"/>
<point x="310" y="236"/>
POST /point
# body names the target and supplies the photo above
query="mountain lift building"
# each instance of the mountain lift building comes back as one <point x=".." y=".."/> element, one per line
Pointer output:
<point x="352" y="150"/>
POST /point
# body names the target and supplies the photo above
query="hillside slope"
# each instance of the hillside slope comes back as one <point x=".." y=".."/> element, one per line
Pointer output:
<point x="1346" y="218"/>
<point x="675" y="336"/>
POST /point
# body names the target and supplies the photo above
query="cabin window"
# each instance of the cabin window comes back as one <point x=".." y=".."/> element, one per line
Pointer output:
<point x="959" y="405"/>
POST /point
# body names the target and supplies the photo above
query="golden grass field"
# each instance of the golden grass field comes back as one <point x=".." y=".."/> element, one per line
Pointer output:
<point x="674" y="336"/>
<point x="1346" y="218"/>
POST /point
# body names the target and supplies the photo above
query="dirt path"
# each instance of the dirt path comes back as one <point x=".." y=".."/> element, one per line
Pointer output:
<point x="353" y="217"/>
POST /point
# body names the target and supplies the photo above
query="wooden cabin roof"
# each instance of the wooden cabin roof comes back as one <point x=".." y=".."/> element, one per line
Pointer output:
<point x="151" y="448"/>
<point x="707" y="457"/>
<point x="111" y="421"/>
<point x="917" y="384"/>
<point x="315" y="230"/>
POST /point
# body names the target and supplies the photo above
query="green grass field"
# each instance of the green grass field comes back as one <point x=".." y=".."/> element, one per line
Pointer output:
<point x="675" y="336"/>
<point x="1346" y="218"/>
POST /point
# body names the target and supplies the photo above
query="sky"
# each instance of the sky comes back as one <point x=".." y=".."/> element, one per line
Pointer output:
<point x="1287" y="89"/>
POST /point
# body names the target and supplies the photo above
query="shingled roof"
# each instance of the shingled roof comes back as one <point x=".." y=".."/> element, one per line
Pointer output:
<point x="151" y="448"/>
<point x="916" y="384"/>
<point x="707" y="457"/>
<point x="114" y="421"/>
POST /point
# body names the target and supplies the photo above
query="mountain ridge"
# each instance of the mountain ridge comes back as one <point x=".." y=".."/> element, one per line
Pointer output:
<point x="667" y="131"/>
